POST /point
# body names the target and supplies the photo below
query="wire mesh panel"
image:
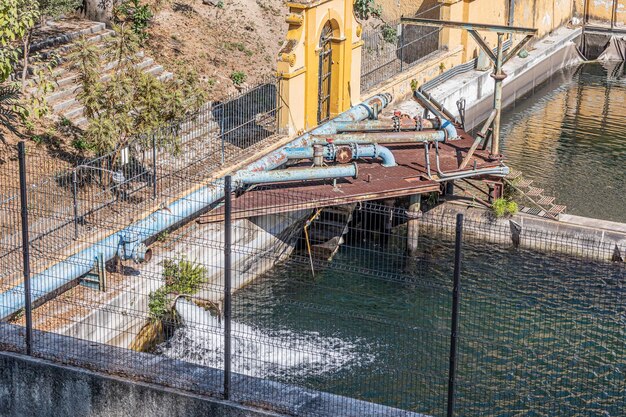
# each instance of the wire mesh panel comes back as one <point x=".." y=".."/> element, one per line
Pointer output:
<point x="391" y="48"/>
<point x="335" y="309"/>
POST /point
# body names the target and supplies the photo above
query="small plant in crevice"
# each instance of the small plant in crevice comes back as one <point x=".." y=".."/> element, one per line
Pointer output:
<point x="502" y="207"/>
<point x="238" y="77"/>
<point x="364" y="9"/>
<point x="389" y="33"/>
<point x="182" y="276"/>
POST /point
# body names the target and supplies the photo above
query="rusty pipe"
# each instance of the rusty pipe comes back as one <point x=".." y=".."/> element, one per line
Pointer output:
<point x="386" y="137"/>
<point x="354" y="151"/>
<point x="446" y="124"/>
<point x="390" y="125"/>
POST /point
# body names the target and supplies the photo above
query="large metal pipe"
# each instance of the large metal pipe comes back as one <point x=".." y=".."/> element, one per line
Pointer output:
<point x="82" y="262"/>
<point x="368" y="109"/>
<point x="296" y="174"/>
<point x="390" y="125"/>
<point x="356" y="151"/>
<point x="446" y="124"/>
<point x="389" y="137"/>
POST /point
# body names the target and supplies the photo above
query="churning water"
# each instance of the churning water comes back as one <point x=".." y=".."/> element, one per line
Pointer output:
<point x="568" y="137"/>
<point x="256" y="352"/>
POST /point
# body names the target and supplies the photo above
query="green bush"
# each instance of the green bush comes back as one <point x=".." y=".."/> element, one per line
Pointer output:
<point x="363" y="9"/>
<point x="502" y="207"/>
<point x="135" y="13"/>
<point x="390" y="34"/>
<point x="238" y="77"/>
<point x="181" y="277"/>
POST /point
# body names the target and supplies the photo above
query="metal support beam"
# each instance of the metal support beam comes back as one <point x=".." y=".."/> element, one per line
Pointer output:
<point x="467" y="25"/>
<point x="498" y="59"/>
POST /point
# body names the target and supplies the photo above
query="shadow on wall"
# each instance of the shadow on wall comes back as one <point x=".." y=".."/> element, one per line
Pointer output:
<point x="248" y="118"/>
<point x="418" y="41"/>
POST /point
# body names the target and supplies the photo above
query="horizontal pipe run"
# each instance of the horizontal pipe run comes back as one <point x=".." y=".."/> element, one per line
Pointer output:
<point x="379" y="137"/>
<point x="390" y="125"/>
<point x="296" y="174"/>
<point x="77" y="265"/>
<point x="365" y="110"/>
<point x="446" y="124"/>
<point x="357" y="151"/>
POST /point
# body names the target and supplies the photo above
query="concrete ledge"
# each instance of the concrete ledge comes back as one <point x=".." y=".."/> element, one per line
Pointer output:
<point x="589" y="238"/>
<point x="35" y="387"/>
<point x="42" y="390"/>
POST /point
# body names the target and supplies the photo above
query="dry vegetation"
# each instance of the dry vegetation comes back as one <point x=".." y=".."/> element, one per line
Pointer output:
<point x="218" y="40"/>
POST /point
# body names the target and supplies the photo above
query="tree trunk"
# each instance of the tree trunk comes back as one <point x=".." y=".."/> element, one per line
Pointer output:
<point x="26" y="44"/>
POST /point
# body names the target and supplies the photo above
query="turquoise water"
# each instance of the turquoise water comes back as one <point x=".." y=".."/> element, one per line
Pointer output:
<point x="542" y="336"/>
<point x="568" y="137"/>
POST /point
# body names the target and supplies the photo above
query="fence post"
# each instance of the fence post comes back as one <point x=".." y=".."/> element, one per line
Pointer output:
<point x="401" y="47"/>
<point x="454" y="331"/>
<point x="227" y="285"/>
<point x="25" y="246"/>
<point x="154" y="167"/>
<point x="75" y="201"/>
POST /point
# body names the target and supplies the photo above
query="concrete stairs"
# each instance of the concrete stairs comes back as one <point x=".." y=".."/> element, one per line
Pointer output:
<point x="540" y="204"/>
<point x="52" y="52"/>
<point x="327" y="230"/>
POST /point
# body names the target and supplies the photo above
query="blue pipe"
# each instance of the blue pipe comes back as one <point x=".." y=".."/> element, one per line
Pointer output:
<point x="82" y="262"/>
<point x="358" y="151"/>
<point x="446" y="124"/>
<point x="295" y="174"/>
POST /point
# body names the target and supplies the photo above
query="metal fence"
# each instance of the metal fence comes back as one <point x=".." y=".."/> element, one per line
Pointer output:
<point x="391" y="48"/>
<point x="366" y="309"/>
<point x="72" y="196"/>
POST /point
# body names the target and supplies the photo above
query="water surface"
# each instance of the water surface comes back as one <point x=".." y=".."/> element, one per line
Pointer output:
<point x="568" y="137"/>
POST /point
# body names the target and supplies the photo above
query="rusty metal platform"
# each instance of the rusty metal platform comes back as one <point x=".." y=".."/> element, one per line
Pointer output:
<point x="374" y="182"/>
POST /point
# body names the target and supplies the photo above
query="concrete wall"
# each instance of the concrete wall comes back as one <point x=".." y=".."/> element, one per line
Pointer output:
<point x="37" y="388"/>
<point x="32" y="387"/>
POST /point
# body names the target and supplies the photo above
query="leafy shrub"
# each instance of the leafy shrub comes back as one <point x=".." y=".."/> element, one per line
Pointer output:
<point x="390" y="34"/>
<point x="135" y="13"/>
<point x="502" y="207"/>
<point x="238" y="77"/>
<point x="181" y="277"/>
<point x="81" y="144"/>
<point x="363" y="9"/>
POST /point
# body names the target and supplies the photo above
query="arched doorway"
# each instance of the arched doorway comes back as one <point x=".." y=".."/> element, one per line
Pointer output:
<point x="325" y="69"/>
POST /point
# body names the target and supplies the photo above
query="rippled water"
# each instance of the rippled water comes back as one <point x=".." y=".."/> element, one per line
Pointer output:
<point x="568" y="136"/>
<point x="542" y="336"/>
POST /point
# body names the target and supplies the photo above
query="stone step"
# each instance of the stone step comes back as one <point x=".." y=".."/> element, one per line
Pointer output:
<point x="534" y="192"/>
<point x="68" y="88"/>
<point x="66" y="37"/>
<point x="556" y="209"/>
<point x="514" y="174"/>
<point x="58" y="51"/>
<point x="545" y="200"/>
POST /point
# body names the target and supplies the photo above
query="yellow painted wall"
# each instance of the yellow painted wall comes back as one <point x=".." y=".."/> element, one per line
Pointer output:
<point x="600" y="11"/>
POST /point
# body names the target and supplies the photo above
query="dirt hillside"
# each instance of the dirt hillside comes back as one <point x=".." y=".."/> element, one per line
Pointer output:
<point x="217" y="40"/>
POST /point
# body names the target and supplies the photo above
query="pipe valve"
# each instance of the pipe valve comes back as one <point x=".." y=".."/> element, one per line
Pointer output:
<point x="131" y="248"/>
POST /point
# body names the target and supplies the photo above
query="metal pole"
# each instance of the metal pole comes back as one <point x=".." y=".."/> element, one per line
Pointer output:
<point x="454" y="331"/>
<point x="227" y="285"/>
<point x="498" y="76"/>
<point x="613" y="14"/>
<point x="401" y="47"/>
<point x="75" y="201"/>
<point x="25" y="246"/>
<point x="154" y="167"/>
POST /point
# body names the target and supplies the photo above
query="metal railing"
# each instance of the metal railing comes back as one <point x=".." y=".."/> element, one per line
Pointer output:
<point x="427" y="314"/>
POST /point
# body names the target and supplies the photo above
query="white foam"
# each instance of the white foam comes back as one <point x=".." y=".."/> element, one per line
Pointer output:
<point x="256" y="353"/>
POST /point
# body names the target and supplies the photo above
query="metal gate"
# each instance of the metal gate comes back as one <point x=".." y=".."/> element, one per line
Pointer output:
<point x="325" y="68"/>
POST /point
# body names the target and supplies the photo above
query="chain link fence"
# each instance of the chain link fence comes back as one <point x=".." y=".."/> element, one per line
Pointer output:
<point x="311" y="309"/>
